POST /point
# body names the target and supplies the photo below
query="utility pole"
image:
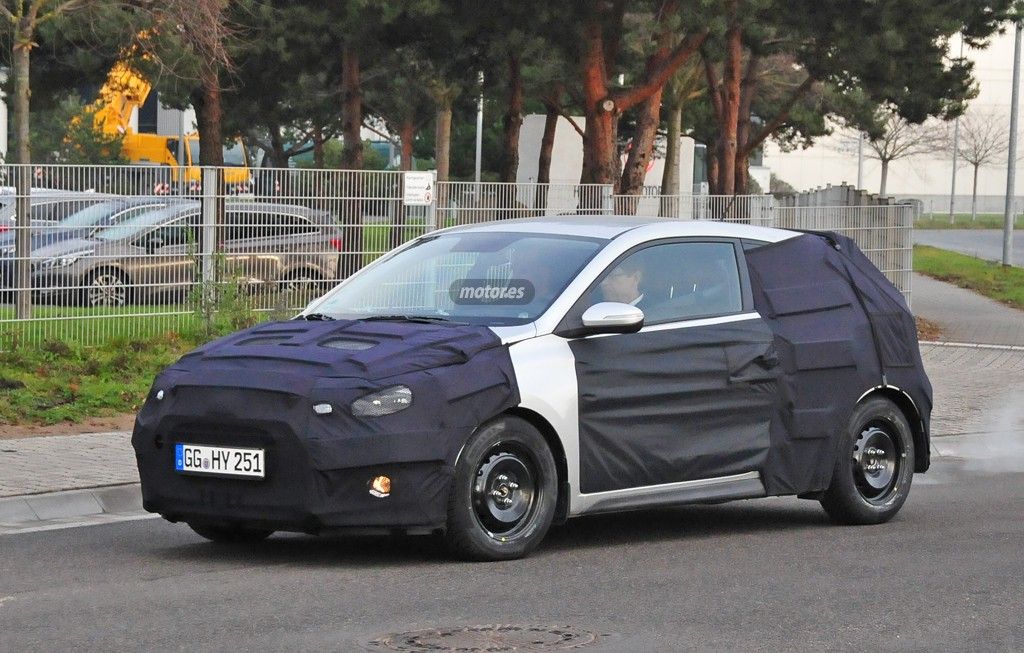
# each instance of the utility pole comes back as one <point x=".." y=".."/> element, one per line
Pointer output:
<point x="1011" y="166"/>
<point x="479" y="129"/>
<point x="956" y="150"/>
<point x="860" y="161"/>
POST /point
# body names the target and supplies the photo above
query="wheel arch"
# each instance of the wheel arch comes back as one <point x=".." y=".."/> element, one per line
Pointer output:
<point x="913" y="415"/>
<point x="557" y="451"/>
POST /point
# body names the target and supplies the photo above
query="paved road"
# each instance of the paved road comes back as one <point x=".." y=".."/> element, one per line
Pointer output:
<point x="983" y="243"/>
<point x="768" y="574"/>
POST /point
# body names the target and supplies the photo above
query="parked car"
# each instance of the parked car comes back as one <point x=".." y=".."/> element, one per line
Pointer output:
<point x="86" y="221"/>
<point x="154" y="256"/>
<point x="487" y="381"/>
<point x="48" y="207"/>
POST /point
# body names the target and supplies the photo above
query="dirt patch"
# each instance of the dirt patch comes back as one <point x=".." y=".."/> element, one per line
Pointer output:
<point x="927" y="330"/>
<point x="123" y="422"/>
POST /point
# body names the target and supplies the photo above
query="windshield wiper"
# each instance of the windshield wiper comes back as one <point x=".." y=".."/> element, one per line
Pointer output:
<point x="316" y="317"/>
<point x="423" y="319"/>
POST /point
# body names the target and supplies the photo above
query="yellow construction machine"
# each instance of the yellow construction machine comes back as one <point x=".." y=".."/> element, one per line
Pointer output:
<point x="123" y="93"/>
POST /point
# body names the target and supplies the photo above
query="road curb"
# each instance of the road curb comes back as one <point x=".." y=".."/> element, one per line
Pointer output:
<point x="33" y="512"/>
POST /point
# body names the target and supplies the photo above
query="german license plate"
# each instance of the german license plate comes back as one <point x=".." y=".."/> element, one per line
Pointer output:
<point x="218" y="461"/>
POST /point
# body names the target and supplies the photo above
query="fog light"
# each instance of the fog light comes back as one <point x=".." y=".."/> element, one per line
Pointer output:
<point x="380" y="486"/>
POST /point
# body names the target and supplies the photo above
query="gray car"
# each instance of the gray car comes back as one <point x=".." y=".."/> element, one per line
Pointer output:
<point x="155" y="256"/>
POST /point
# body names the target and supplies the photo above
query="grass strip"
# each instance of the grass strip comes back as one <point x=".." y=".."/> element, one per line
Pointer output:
<point x="1003" y="284"/>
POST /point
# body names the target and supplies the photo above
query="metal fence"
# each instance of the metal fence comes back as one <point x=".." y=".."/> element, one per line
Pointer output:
<point x="133" y="251"/>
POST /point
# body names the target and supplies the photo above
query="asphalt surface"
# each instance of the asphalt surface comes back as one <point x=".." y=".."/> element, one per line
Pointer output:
<point x="982" y="243"/>
<point x="769" y="574"/>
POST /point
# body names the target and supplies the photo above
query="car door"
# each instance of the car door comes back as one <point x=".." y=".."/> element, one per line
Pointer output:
<point x="690" y="395"/>
<point x="166" y="266"/>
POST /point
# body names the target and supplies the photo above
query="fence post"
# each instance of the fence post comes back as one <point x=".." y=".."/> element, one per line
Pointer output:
<point x="434" y="200"/>
<point x="208" y="224"/>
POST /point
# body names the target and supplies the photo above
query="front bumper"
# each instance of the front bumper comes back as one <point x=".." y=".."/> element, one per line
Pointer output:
<point x="311" y="485"/>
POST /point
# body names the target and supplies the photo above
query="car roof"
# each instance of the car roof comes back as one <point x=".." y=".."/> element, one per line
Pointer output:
<point x="608" y="227"/>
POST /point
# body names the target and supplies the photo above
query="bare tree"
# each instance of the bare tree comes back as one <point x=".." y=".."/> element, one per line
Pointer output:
<point x="984" y="139"/>
<point x="900" y="140"/>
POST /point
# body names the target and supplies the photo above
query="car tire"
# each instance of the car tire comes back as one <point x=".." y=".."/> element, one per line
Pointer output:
<point x="503" y="496"/>
<point x="874" y="468"/>
<point x="106" y="288"/>
<point x="302" y="281"/>
<point x="230" y="534"/>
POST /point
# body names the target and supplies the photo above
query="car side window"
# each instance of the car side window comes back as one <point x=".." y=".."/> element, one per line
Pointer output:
<point x="175" y="233"/>
<point x="676" y="281"/>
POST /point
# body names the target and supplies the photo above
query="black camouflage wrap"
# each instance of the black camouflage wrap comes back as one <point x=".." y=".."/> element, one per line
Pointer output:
<point x="841" y="329"/>
<point x="256" y="388"/>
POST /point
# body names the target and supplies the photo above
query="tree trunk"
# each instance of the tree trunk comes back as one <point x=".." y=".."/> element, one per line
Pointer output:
<point x="599" y="166"/>
<point x="23" y="174"/>
<point x="513" y="121"/>
<point x="318" y="147"/>
<point x="351" y="159"/>
<point x="714" y="169"/>
<point x="547" y="147"/>
<point x="974" y="196"/>
<point x="278" y="156"/>
<point x="210" y="121"/>
<point x="642" y="148"/>
<point x="748" y="89"/>
<point x="352" y="110"/>
<point x="730" y="103"/>
<point x="443" y="139"/>
<point x="670" y="203"/>
<point x="885" y="177"/>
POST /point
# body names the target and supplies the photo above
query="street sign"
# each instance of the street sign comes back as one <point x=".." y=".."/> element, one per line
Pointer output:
<point x="418" y="189"/>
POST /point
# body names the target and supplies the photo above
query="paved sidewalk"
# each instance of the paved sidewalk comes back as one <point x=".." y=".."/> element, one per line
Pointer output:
<point x="66" y="462"/>
<point x="965" y="316"/>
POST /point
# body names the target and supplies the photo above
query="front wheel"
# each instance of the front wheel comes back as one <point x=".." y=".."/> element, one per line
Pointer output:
<point x="503" y="498"/>
<point x="875" y="466"/>
<point x="230" y="534"/>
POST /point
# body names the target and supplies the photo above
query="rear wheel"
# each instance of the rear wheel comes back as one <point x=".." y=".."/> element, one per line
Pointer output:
<point x="106" y="288"/>
<point x="875" y="466"/>
<point x="230" y="534"/>
<point x="503" y="498"/>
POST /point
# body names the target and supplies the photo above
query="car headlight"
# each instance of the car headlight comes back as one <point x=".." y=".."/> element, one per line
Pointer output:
<point x="384" y="402"/>
<point x="62" y="261"/>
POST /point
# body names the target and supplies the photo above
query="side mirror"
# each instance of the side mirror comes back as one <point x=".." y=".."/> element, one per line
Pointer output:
<point x="610" y="317"/>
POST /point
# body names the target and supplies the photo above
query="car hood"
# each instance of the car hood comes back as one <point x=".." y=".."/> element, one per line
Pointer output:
<point x="64" y="247"/>
<point x="278" y="352"/>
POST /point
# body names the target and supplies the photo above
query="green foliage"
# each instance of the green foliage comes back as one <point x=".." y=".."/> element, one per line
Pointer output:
<point x="60" y="381"/>
<point x="1004" y="284"/>
<point x="65" y="134"/>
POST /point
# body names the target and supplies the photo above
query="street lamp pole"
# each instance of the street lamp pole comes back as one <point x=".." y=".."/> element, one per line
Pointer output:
<point x="1011" y="166"/>
<point x="956" y="149"/>
<point x="860" y="161"/>
<point x="479" y="130"/>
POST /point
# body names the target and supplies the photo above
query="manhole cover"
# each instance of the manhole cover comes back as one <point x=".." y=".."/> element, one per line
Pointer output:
<point x="494" y="638"/>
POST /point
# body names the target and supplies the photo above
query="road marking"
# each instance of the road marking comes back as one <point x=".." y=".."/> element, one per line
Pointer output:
<point x="5" y="599"/>
<point x="971" y="345"/>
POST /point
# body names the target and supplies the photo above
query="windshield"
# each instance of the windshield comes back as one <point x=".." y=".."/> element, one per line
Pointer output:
<point x="138" y="224"/>
<point x="478" y="278"/>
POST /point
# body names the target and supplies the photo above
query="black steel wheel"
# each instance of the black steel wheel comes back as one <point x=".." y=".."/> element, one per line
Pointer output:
<point x="230" y="534"/>
<point x="875" y="466"/>
<point x="504" y="493"/>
